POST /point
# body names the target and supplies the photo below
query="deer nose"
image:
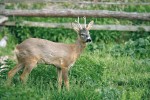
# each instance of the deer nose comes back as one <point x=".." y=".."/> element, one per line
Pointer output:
<point x="88" y="40"/>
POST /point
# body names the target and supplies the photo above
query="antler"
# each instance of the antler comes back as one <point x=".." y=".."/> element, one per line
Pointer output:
<point x="78" y="23"/>
<point x="84" y="21"/>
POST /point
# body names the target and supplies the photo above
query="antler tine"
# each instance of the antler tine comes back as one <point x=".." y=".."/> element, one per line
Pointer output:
<point x="84" y="21"/>
<point x="78" y="23"/>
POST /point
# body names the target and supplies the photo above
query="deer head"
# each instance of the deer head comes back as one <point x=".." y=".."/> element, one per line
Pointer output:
<point x="83" y="32"/>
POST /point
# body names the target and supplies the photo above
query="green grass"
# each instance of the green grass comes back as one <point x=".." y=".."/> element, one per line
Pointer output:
<point x="95" y="76"/>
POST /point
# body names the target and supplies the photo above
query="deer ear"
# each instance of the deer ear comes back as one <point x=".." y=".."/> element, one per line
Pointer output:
<point x="90" y="25"/>
<point x="75" y="27"/>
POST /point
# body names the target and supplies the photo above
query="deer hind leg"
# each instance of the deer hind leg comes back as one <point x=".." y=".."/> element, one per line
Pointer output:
<point x="27" y="70"/>
<point x="59" y="71"/>
<point x="13" y="71"/>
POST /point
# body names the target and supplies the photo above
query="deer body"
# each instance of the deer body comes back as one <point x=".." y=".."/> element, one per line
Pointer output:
<point x="48" y="52"/>
<point x="63" y="56"/>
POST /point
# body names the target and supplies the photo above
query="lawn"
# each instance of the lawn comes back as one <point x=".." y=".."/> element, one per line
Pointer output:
<point x="96" y="75"/>
<point x="116" y="66"/>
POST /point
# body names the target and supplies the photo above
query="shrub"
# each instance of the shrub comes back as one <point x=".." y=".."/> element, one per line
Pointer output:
<point x="139" y="48"/>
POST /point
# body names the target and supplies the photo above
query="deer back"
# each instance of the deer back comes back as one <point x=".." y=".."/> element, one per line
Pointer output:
<point x="46" y="51"/>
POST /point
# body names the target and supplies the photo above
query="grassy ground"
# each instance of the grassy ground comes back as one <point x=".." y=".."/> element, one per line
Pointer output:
<point x="96" y="75"/>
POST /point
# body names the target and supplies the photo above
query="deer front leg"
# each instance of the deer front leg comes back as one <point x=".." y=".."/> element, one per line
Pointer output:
<point x="65" y="77"/>
<point x="59" y="79"/>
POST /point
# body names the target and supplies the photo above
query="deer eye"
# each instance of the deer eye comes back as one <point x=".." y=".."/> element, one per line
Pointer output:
<point x="82" y="34"/>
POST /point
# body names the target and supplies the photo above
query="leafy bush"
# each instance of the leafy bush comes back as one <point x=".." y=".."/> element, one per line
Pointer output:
<point x="139" y="48"/>
<point x="139" y="34"/>
<point x="105" y="36"/>
<point x="53" y="34"/>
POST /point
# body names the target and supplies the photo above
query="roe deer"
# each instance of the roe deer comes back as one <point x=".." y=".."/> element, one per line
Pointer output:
<point x="63" y="56"/>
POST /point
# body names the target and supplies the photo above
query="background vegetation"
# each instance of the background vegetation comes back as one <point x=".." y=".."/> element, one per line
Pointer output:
<point x="116" y="66"/>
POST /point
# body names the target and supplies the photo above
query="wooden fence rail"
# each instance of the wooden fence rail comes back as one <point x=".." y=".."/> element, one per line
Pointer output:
<point x="68" y="25"/>
<point x="76" y="2"/>
<point x="76" y="13"/>
<point x="72" y="13"/>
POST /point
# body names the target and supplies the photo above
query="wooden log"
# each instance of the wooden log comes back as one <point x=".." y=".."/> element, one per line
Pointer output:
<point x="115" y="3"/>
<point x="76" y="13"/>
<point x="68" y="25"/>
<point x="2" y="18"/>
<point x="77" y="2"/>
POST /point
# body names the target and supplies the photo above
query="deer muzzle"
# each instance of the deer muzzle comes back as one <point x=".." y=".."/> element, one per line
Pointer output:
<point x="89" y="40"/>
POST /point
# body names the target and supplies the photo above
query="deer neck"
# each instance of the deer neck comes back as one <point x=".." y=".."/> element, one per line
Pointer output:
<point x="79" y="46"/>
